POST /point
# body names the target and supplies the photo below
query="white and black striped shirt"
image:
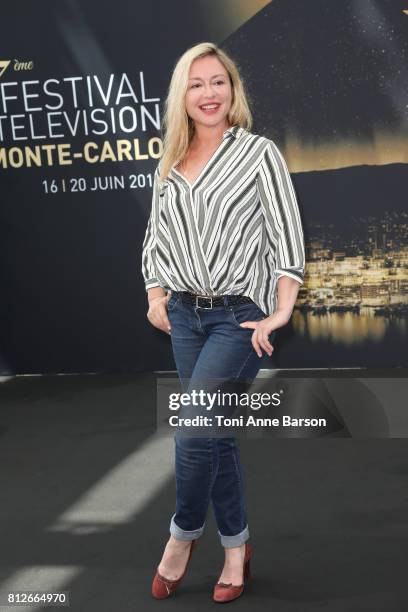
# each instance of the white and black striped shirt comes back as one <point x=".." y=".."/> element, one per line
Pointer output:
<point x="235" y="230"/>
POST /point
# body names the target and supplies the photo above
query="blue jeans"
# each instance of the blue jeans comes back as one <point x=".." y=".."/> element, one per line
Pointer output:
<point x="210" y="344"/>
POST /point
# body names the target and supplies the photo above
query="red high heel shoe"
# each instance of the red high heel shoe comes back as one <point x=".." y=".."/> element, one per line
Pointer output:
<point x="163" y="587"/>
<point x="227" y="592"/>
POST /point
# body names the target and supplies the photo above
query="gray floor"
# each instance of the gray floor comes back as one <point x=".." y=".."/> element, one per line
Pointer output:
<point x="87" y="491"/>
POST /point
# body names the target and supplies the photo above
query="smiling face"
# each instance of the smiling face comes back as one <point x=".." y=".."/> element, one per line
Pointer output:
<point x="209" y="92"/>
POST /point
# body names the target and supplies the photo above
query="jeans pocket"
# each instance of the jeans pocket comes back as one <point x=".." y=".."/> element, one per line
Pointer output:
<point x="173" y="301"/>
<point x="246" y="312"/>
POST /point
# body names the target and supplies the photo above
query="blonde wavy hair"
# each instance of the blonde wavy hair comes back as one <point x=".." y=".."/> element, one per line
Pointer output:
<point x="177" y="127"/>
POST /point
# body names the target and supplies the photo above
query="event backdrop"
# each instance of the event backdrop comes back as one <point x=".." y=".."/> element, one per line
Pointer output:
<point x="82" y="86"/>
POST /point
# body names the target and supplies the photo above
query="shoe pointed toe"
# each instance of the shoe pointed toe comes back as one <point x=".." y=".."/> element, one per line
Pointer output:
<point x="227" y="592"/>
<point x="163" y="587"/>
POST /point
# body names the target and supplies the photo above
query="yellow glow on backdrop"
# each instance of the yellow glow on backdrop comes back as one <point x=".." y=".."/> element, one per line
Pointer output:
<point x="224" y="17"/>
<point x="384" y="148"/>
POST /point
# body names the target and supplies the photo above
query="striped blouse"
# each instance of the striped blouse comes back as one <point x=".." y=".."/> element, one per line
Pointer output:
<point x="235" y="230"/>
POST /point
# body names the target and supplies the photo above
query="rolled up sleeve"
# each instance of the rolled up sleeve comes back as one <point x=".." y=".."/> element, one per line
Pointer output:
<point x="149" y="242"/>
<point x="281" y="213"/>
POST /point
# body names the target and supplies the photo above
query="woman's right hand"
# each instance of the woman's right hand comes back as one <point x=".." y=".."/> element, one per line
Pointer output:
<point x="157" y="313"/>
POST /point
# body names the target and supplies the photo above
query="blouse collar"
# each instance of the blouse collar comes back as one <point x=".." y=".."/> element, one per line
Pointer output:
<point x="234" y="130"/>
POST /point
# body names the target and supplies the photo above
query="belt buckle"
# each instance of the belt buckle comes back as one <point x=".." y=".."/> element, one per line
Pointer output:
<point x="203" y="297"/>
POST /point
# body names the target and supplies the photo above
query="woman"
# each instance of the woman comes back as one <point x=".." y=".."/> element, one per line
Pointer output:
<point x="223" y="259"/>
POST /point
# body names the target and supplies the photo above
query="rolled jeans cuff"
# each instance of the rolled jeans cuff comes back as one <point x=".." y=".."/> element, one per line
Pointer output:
<point x="182" y="534"/>
<point x="235" y="540"/>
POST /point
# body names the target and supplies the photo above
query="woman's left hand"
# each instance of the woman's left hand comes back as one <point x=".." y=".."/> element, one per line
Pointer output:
<point x="263" y="328"/>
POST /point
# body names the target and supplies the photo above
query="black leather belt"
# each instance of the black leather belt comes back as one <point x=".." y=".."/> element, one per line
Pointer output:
<point x="204" y="301"/>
